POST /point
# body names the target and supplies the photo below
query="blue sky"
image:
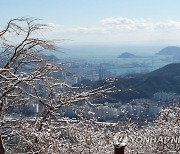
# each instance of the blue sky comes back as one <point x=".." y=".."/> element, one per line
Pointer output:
<point x="102" y="21"/>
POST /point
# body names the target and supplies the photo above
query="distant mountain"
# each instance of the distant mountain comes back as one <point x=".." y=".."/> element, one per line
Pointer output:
<point x="165" y="79"/>
<point x="170" y="70"/>
<point x="127" y="55"/>
<point x="171" y="50"/>
<point x="52" y="59"/>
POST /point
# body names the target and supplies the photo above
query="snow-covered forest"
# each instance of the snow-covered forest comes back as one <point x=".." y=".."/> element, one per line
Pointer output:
<point x="27" y="78"/>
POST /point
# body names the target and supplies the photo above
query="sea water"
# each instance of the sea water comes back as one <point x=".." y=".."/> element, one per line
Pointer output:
<point x="107" y="56"/>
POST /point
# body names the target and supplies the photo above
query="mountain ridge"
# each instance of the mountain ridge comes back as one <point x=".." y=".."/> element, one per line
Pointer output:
<point x="165" y="79"/>
<point x="170" y="50"/>
<point x="127" y="55"/>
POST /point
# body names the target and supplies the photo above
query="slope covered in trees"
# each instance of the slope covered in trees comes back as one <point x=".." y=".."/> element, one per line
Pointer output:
<point x="165" y="79"/>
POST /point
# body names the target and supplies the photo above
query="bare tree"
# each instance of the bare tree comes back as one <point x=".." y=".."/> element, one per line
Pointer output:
<point x="26" y="77"/>
<point x="19" y="52"/>
<point x="23" y="70"/>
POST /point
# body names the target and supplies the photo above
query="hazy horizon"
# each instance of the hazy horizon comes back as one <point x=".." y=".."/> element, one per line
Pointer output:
<point x="127" y="23"/>
<point x="104" y="50"/>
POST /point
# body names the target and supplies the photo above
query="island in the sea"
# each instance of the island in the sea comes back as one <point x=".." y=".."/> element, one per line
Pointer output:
<point x="170" y="50"/>
<point x="127" y="55"/>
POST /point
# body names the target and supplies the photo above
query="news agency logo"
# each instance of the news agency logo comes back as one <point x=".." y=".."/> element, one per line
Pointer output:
<point x="122" y="139"/>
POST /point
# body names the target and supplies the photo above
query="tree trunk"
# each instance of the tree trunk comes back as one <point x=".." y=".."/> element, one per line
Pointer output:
<point x="119" y="150"/>
<point x="2" y="150"/>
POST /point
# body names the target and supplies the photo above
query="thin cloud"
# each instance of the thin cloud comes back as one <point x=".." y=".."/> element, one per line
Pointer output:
<point x="140" y="24"/>
<point x="119" y="29"/>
